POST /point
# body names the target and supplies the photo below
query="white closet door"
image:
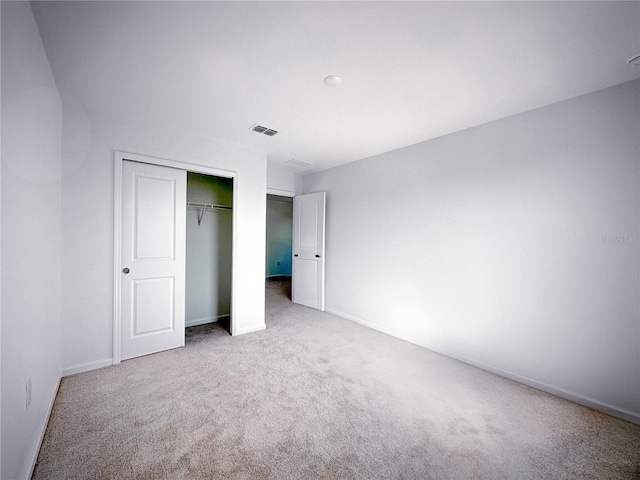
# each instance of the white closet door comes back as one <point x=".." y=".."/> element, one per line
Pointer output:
<point x="153" y="258"/>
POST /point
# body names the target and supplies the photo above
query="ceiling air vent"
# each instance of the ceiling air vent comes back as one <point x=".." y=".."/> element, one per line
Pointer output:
<point x="297" y="163"/>
<point x="264" y="130"/>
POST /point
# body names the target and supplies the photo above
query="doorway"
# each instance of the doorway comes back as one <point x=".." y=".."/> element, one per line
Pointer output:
<point x="296" y="246"/>
<point x="278" y="265"/>
<point x="209" y="234"/>
<point x="279" y="235"/>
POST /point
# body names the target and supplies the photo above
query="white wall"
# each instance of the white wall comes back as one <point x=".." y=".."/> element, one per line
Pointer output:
<point x="282" y="182"/>
<point x="209" y="250"/>
<point x="89" y="144"/>
<point x="504" y="245"/>
<point x="31" y="167"/>
<point x="283" y="185"/>
<point x="279" y="235"/>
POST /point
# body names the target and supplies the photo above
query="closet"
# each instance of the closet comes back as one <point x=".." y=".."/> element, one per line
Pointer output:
<point x="208" y="249"/>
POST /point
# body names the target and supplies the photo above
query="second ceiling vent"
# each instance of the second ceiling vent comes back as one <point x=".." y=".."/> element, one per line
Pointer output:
<point x="264" y="130"/>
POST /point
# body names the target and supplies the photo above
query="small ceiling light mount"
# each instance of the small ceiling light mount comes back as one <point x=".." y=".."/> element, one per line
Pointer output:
<point x="264" y="130"/>
<point x="332" y="80"/>
<point x="634" y="60"/>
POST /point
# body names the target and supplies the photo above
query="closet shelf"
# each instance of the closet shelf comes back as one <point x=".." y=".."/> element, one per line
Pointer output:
<point x="206" y="206"/>
<point x="209" y="205"/>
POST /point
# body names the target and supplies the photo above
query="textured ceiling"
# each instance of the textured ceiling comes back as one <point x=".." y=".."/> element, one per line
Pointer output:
<point x="411" y="70"/>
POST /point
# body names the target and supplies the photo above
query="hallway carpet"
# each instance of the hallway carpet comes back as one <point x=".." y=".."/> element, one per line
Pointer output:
<point x="315" y="396"/>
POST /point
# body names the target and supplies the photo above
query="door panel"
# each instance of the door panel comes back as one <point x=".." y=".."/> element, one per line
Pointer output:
<point x="308" y="250"/>
<point x="308" y="228"/>
<point x="154" y="221"/>
<point x="153" y="251"/>
<point x="152" y="306"/>
<point x="306" y="291"/>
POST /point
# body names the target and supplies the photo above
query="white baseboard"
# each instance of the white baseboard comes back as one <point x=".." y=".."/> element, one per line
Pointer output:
<point x="43" y="429"/>
<point x="87" y="367"/>
<point x="560" y="392"/>
<point x="250" y="329"/>
<point x="381" y="328"/>
<point x="622" y="413"/>
<point x="201" y="321"/>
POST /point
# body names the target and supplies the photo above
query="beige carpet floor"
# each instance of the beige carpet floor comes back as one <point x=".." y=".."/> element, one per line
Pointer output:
<point x="315" y="396"/>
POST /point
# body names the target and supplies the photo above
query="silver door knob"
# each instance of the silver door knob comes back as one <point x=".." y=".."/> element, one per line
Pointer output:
<point x="125" y="270"/>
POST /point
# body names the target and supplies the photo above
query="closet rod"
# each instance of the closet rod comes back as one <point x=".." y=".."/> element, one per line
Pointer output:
<point x="208" y="205"/>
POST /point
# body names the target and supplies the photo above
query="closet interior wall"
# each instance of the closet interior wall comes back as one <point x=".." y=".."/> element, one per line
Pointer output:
<point x="209" y="245"/>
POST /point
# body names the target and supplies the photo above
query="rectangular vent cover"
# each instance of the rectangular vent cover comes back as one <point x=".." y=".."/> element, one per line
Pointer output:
<point x="264" y="130"/>
<point x="297" y="163"/>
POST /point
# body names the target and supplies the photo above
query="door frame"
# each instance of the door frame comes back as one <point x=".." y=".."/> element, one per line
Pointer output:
<point x="117" y="232"/>
<point x="283" y="194"/>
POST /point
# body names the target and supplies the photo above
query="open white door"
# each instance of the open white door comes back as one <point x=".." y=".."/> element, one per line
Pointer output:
<point x="153" y="258"/>
<point x="307" y="286"/>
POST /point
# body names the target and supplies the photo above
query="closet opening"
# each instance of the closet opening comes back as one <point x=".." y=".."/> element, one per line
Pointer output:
<point x="279" y="242"/>
<point x="209" y="245"/>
